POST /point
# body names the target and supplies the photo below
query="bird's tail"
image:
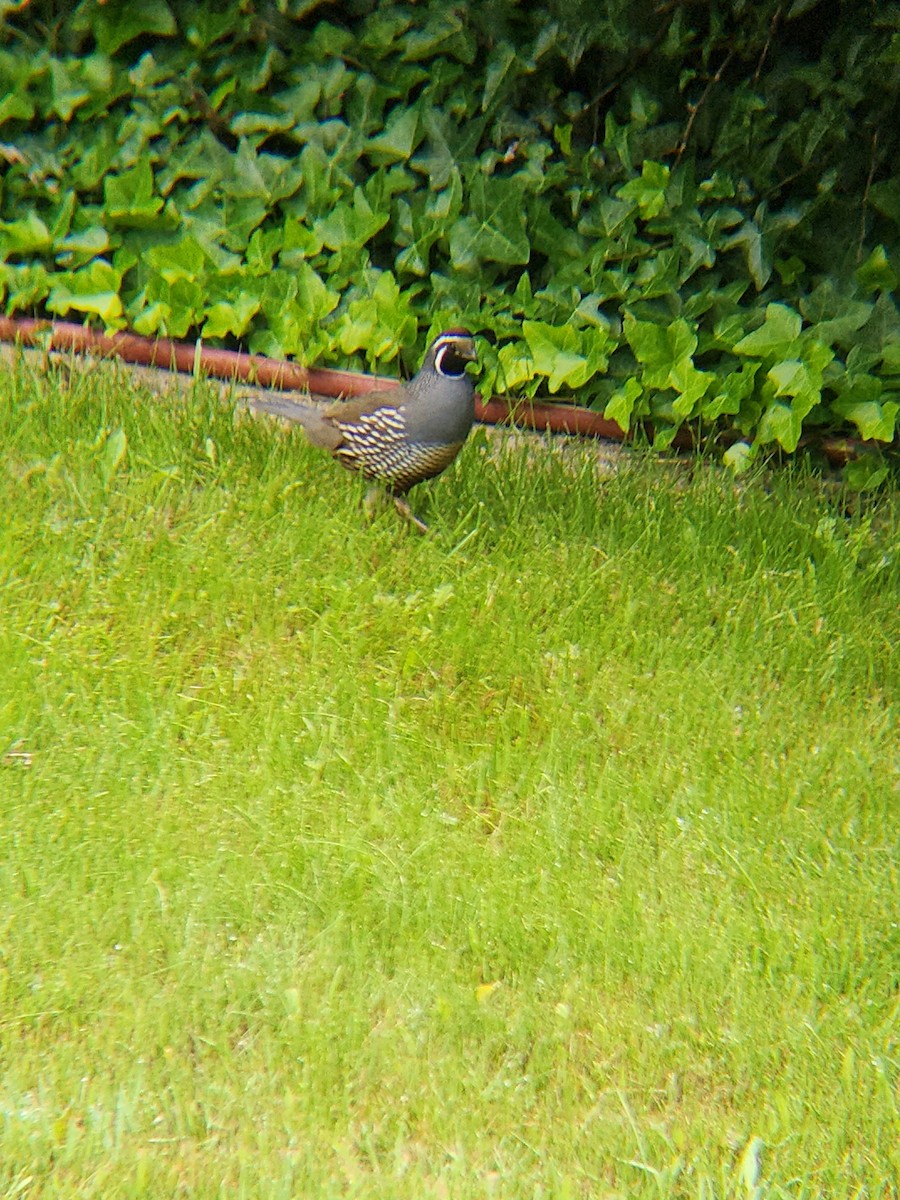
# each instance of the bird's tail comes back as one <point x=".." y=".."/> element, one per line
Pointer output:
<point x="319" y="431"/>
<point x="279" y="406"/>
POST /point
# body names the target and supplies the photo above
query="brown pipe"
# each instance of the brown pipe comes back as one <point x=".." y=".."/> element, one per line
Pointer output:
<point x="236" y="366"/>
<point x="187" y="356"/>
<point x="557" y="418"/>
<point x="272" y="372"/>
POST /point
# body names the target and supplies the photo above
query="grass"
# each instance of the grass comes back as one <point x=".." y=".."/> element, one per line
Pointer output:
<point x="551" y="855"/>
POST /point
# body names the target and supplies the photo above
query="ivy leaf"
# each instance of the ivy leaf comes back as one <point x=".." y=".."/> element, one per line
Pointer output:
<point x="398" y="139"/>
<point x="129" y="198"/>
<point x="663" y="349"/>
<point x="237" y="220"/>
<point x="816" y="355"/>
<point x="298" y="243"/>
<point x="554" y="352"/>
<point x="113" y="25"/>
<point x="739" y="457"/>
<point x="749" y="238"/>
<point x="91" y="289"/>
<point x="444" y="29"/>
<point x="437" y="161"/>
<point x="792" y="378"/>
<point x="658" y="276"/>
<point x="834" y="317"/>
<point x="502" y="59"/>
<point x="285" y="330"/>
<point x="862" y="404"/>
<point x="621" y="404"/>
<point x="876" y="273"/>
<point x="419" y="228"/>
<point x="590" y="311"/>
<point x="885" y="196"/>
<point x="649" y="191"/>
<point x="245" y="124"/>
<point x="664" y="436"/>
<point x="79" y="248"/>
<point x="314" y="297"/>
<point x="614" y="215"/>
<point x="24" y="286"/>
<point x="776" y="337"/>
<point x="202" y="158"/>
<point x="842" y="328"/>
<point x="414" y="258"/>
<point x="691" y="383"/>
<point x="148" y="319"/>
<point x="382" y="28"/>
<point x="495" y="231"/>
<point x="698" y="252"/>
<point x="350" y="226"/>
<point x="184" y="259"/>
<point x="666" y="353"/>
<point x="230" y="317"/>
<point x="782" y="424"/>
<point x="516" y="366"/>
<point x="616" y="139"/>
<point x="562" y="135"/>
<point x="876" y="420"/>
<point x="26" y="236"/>
<point x="730" y="393"/>
<point x="62" y="220"/>
<point x="523" y="296"/>
<point x="328" y="41"/>
<point x="261" y="250"/>
<point x="379" y="320"/>
<point x="68" y="89"/>
<point x="565" y="355"/>
<point x="172" y="308"/>
<point x="203" y="26"/>
<point x="15" y="107"/>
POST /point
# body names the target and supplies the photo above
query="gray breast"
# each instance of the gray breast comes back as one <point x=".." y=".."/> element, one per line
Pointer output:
<point x="440" y="411"/>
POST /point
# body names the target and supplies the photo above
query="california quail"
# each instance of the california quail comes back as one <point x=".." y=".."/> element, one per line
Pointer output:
<point x="403" y="435"/>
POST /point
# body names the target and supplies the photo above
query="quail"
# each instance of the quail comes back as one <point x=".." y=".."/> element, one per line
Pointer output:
<point x="400" y="436"/>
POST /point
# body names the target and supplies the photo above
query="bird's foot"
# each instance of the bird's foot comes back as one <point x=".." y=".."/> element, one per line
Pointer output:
<point x="402" y="506"/>
<point x="376" y="497"/>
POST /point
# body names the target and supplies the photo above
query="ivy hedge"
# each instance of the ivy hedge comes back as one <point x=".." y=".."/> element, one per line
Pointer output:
<point x="668" y="210"/>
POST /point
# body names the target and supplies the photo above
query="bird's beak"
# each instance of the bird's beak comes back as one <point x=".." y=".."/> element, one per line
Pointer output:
<point x="468" y="352"/>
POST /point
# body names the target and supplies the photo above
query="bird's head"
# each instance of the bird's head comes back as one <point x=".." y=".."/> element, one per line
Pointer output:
<point x="451" y="351"/>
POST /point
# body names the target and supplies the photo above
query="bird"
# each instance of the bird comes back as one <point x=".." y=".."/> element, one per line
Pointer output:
<point x="400" y="436"/>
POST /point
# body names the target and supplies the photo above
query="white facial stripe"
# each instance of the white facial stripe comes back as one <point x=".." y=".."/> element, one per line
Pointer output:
<point x="443" y="345"/>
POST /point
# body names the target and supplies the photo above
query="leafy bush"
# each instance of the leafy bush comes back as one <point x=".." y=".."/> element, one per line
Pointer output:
<point x="679" y="212"/>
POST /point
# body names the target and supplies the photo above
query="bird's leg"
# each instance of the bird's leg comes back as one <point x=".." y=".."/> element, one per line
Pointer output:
<point x="374" y="499"/>
<point x="402" y="506"/>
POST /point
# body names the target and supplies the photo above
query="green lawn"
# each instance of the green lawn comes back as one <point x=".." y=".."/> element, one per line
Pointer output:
<point x="553" y="854"/>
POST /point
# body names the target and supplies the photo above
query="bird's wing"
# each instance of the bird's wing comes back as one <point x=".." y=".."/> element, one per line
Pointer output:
<point x="323" y="424"/>
<point x="348" y="412"/>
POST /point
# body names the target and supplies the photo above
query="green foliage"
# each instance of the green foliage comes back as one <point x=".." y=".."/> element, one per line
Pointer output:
<point x="678" y="214"/>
